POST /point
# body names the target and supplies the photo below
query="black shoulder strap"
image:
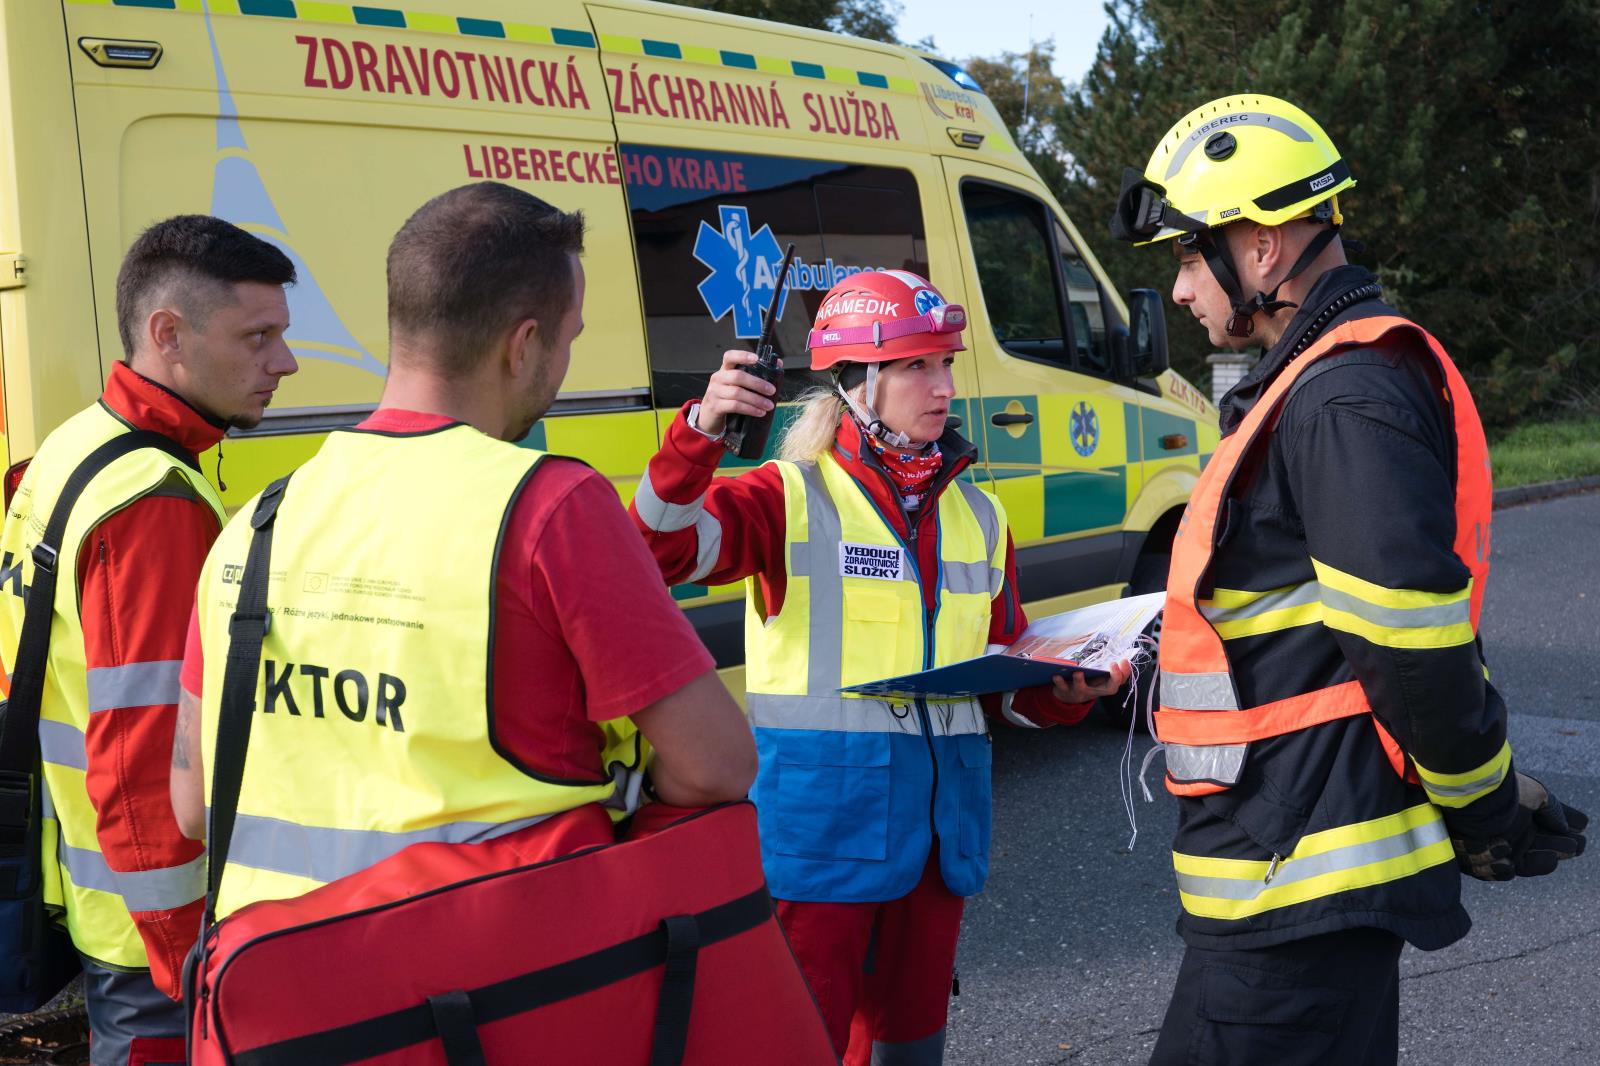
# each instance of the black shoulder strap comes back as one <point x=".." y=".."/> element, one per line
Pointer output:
<point x="19" y="733"/>
<point x="246" y="630"/>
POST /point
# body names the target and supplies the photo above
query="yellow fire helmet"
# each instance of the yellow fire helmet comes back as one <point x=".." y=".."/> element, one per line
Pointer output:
<point x="1243" y="157"/>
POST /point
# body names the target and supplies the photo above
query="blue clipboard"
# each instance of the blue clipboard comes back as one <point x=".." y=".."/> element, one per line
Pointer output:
<point x="997" y="672"/>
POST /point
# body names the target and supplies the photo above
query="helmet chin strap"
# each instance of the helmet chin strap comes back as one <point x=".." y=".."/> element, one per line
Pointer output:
<point x="1242" y="323"/>
<point x="867" y="414"/>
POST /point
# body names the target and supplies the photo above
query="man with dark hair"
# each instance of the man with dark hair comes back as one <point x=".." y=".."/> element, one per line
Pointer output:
<point x="487" y="588"/>
<point x="202" y="315"/>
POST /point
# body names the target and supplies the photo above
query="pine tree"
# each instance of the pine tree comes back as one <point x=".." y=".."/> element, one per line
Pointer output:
<point x="1471" y="129"/>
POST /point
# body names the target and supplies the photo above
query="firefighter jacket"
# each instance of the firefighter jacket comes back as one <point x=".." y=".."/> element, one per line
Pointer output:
<point x="842" y="589"/>
<point x="373" y="726"/>
<point x="111" y="843"/>
<point x="1322" y="683"/>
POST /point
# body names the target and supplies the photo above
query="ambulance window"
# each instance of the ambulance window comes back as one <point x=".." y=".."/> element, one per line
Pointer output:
<point x="1011" y="246"/>
<point x="710" y="229"/>
<point x="1090" y="346"/>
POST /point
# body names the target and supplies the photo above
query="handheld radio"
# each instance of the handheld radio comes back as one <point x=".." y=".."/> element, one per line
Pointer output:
<point x="743" y="435"/>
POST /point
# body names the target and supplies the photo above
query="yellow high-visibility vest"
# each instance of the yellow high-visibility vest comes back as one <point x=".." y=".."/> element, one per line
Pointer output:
<point x="851" y="790"/>
<point x="77" y="880"/>
<point x="374" y="709"/>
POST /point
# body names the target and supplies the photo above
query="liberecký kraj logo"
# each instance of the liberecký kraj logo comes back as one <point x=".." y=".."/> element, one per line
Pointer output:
<point x="744" y="270"/>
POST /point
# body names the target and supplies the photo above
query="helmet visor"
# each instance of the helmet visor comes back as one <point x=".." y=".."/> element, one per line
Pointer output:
<point x="1144" y="214"/>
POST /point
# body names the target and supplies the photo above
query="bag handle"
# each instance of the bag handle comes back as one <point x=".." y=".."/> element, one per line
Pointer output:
<point x="247" y="629"/>
<point x="19" y="732"/>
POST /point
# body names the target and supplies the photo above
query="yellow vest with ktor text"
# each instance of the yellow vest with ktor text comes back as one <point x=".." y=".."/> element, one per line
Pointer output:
<point x="373" y="708"/>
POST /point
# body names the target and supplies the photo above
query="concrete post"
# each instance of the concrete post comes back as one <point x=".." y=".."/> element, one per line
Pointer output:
<point x="1227" y="370"/>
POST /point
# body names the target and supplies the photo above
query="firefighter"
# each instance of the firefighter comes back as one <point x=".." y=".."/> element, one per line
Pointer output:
<point x="864" y="557"/>
<point x="500" y="707"/>
<point x="1338" y="751"/>
<point x="201" y="314"/>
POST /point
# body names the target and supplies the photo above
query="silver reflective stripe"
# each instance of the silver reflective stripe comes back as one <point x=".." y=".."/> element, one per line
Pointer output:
<point x="1275" y="600"/>
<point x="1292" y="130"/>
<point x="1446" y="614"/>
<point x="1350" y="857"/>
<point x="836" y="713"/>
<point x="1471" y="788"/>
<point x="61" y="744"/>
<point x="141" y="890"/>
<point x="817" y="558"/>
<point x="1198" y="692"/>
<point x="1221" y="763"/>
<point x="967" y="578"/>
<point x="956" y="718"/>
<point x="983" y="508"/>
<point x="709" y="545"/>
<point x="325" y="854"/>
<point x="134" y="685"/>
<point x="661" y="516"/>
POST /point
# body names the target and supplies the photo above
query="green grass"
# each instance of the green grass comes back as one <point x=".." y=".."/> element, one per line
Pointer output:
<point x="1548" y="451"/>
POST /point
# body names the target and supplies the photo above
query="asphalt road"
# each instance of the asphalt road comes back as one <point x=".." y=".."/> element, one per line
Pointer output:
<point x="1070" y="954"/>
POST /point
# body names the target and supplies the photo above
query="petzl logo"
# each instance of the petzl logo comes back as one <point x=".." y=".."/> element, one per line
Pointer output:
<point x="1084" y="428"/>
<point x="744" y="270"/>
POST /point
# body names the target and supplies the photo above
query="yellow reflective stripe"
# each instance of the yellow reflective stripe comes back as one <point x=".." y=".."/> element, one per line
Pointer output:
<point x="1458" y="790"/>
<point x="1394" y="618"/>
<point x="1335" y="860"/>
<point x="1269" y="621"/>
<point x="1247" y="613"/>
<point x="1381" y="596"/>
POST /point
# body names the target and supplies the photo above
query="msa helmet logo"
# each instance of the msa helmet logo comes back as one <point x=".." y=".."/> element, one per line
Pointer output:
<point x="1322" y="182"/>
<point x="1229" y="213"/>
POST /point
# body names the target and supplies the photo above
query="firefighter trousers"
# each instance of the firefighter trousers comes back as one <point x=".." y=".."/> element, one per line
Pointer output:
<point x="881" y="972"/>
<point x="1329" y="999"/>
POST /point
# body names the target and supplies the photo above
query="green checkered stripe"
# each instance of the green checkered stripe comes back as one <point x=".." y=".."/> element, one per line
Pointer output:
<point x="369" y="15"/>
<point x="497" y="29"/>
<point x="748" y="61"/>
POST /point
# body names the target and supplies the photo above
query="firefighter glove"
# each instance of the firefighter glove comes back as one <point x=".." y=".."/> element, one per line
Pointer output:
<point x="1545" y="832"/>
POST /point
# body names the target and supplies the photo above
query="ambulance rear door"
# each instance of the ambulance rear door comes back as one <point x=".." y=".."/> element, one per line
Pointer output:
<point x="321" y="128"/>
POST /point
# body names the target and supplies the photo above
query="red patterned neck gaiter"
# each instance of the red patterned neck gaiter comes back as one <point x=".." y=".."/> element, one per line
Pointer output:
<point x="912" y="472"/>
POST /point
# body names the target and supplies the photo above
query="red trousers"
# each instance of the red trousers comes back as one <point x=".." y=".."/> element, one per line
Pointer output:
<point x="881" y="972"/>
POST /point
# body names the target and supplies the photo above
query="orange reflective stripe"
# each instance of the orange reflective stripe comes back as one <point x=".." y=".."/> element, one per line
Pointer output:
<point x="1194" y="788"/>
<point x="1396" y="754"/>
<point x="1267" y="720"/>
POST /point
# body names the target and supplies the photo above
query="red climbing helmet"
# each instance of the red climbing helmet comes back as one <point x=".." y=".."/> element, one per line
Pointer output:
<point x="878" y="315"/>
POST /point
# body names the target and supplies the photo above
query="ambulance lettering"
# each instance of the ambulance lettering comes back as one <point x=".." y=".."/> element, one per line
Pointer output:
<point x="525" y="163"/>
<point x="849" y="116"/>
<point x="693" y="99"/>
<point x="454" y="74"/>
<point x="744" y="269"/>
<point x="352" y="693"/>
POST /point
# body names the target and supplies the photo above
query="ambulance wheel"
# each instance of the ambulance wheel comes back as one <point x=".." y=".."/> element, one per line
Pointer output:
<point x="1149" y="575"/>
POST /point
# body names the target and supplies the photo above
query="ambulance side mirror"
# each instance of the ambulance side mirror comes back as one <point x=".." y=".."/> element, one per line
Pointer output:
<point x="1147" y="340"/>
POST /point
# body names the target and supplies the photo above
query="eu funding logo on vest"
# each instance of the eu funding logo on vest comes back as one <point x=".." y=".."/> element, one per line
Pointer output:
<point x="744" y="270"/>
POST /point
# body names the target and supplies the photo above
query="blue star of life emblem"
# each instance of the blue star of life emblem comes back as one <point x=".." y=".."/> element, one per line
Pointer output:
<point x="744" y="269"/>
<point x="1084" y="429"/>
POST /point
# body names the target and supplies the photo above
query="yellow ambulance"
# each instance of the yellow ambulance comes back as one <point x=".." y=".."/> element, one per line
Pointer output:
<point x="697" y="145"/>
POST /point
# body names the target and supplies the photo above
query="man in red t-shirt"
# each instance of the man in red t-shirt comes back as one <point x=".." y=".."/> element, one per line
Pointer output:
<point x="485" y="300"/>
